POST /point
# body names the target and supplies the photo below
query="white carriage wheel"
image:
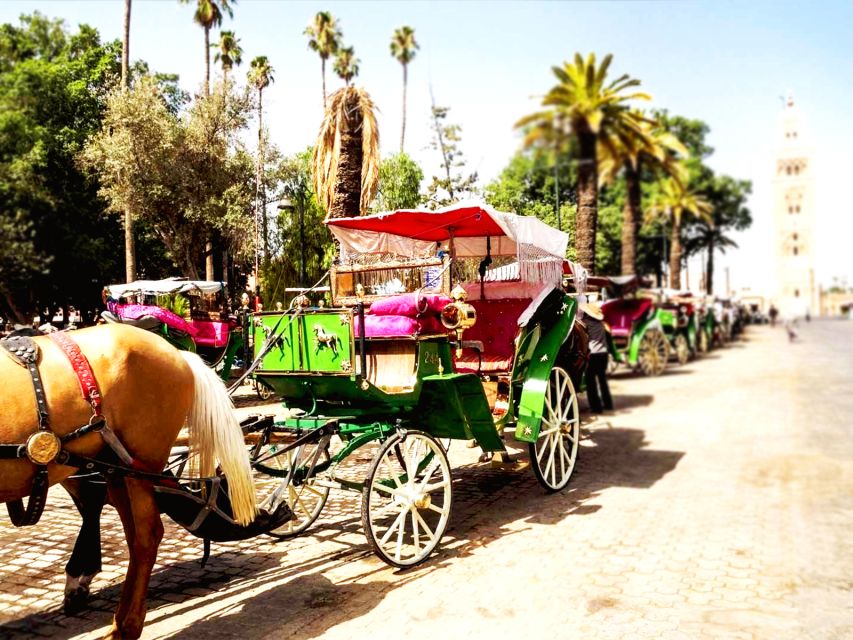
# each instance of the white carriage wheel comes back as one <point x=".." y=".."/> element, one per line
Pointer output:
<point x="654" y="352"/>
<point x="406" y="499"/>
<point x="703" y="340"/>
<point x="682" y="349"/>
<point x="305" y="500"/>
<point x="555" y="451"/>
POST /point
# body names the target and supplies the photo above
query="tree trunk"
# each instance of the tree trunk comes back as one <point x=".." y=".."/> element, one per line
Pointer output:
<point x="709" y="270"/>
<point x="675" y="255"/>
<point x="587" y="217"/>
<point x="206" y="62"/>
<point x="346" y="202"/>
<point x="260" y="209"/>
<point x="405" y="84"/>
<point x="323" y="67"/>
<point x="129" y="247"/>
<point x="630" y="219"/>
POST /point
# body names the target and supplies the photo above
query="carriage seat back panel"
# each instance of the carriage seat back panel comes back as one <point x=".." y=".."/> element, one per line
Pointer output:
<point x="620" y="314"/>
<point x="210" y="333"/>
<point x="397" y="326"/>
<point x="496" y="328"/>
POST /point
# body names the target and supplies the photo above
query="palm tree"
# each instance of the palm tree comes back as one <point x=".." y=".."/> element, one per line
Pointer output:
<point x="629" y="150"/>
<point x="582" y="105"/>
<point x="229" y="53"/>
<point x="709" y="237"/>
<point x="403" y="47"/>
<point x="346" y="64"/>
<point x="324" y="37"/>
<point x="346" y="156"/>
<point x="260" y="77"/>
<point x="129" y="246"/>
<point x="209" y="14"/>
<point x="671" y="202"/>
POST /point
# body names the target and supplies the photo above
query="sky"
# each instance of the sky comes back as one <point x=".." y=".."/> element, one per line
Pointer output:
<point x="727" y="63"/>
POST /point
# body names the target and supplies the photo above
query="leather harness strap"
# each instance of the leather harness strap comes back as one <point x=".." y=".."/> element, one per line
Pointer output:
<point x="81" y="366"/>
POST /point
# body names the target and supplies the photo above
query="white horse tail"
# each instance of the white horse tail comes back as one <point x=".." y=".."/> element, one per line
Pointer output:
<point x="215" y="434"/>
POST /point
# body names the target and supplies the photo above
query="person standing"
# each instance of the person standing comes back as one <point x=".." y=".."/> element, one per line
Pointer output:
<point x="597" y="389"/>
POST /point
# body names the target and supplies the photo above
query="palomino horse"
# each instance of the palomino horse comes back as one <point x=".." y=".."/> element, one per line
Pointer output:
<point x="149" y="391"/>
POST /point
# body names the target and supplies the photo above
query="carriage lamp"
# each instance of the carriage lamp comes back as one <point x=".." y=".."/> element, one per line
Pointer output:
<point x="458" y="316"/>
<point x="359" y="292"/>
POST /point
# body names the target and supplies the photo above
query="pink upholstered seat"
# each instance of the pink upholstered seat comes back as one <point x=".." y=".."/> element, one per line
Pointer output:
<point x="137" y="311"/>
<point x="496" y="328"/>
<point x="210" y="333"/>
<point x="620" y="314"/>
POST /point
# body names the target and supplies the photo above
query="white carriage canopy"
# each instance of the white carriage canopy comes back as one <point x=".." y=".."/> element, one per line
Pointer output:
<point x="167" y="286"/>
<point x="465" y="229"/>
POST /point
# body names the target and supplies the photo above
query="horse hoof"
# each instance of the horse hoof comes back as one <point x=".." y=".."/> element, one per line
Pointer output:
<point x="74" y="602"/>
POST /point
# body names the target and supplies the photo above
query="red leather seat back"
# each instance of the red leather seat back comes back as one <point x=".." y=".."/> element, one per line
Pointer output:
<point x="496" y="328"/>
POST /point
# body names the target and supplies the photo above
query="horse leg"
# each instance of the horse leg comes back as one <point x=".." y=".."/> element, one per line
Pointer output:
<point x="89" y="497"/>
<point x="134" y="500"/>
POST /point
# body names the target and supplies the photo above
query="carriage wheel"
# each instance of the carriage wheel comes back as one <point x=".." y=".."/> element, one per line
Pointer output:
<point x="556" y="450"/>
<point x="682" y="349"/>
<point x="654" y="351"/>
<point x="264" y="392"/>
<point x="703" y="341"/>
<point x="306" y="500"/>
<point x="406" y="499"/>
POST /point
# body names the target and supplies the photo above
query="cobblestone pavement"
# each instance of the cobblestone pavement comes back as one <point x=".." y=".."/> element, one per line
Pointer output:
<point x="715" y="502"/>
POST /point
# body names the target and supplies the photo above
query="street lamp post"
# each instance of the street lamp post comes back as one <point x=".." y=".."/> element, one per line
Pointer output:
<point x="287" y="205"/>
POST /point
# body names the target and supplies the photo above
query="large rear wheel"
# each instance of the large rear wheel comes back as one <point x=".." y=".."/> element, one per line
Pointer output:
<point x="406" y="499"/>
<point x="682" y="349"/>
<point x="555" y="451"/>
<point x="654" y="352"/>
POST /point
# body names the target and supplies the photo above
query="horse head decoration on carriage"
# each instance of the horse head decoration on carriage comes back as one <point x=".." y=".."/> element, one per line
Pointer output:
<point x="445" y="325"/>
<point x="192" y="315"/>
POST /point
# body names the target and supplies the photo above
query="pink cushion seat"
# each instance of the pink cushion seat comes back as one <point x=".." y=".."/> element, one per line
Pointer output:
<point x="137" y="311"/>
<point x="496" y="328"/>
<point x="621" y="313"/>
<point x="210" y="333"/>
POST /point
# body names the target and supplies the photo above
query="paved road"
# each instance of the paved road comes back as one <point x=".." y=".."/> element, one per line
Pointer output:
<point x="715" y="502"/>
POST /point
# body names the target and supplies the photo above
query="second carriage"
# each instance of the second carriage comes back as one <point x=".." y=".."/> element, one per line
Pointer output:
<point x="447" y="325"/>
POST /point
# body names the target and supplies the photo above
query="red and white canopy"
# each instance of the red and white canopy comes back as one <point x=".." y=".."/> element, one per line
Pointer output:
<point x="417" y="233"/>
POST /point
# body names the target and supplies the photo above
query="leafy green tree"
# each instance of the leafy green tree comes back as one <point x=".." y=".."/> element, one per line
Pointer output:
<point x="346" y="64"/>
<point x="59" y="245"/>
<point x="182" y="176"/>
<point x="400" y="180"/>
<point x="455" y="184"/>
<point x="584" y="105"/>
<point x="403" y="48"/>
<point x="324" y="36"/>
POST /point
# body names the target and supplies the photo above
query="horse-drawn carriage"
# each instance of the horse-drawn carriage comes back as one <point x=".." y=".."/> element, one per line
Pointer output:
<point x="192" y="315"/>
<point x="679" y="320"/>
<point x="447" y="325"/>
<point x="636" y="323"/>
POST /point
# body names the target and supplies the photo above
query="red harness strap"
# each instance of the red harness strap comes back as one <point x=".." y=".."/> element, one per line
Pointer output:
<point x="81" y="366"/>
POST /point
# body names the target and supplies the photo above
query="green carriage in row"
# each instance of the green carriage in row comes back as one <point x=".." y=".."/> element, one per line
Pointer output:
<point x="446" y="325"/>
<point x="680" y="321"/>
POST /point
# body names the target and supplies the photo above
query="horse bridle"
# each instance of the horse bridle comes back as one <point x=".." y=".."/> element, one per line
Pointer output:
<point x="44" y="446"/>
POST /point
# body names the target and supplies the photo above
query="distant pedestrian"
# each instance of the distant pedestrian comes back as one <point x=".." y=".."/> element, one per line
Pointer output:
<point x="773" y="312"/>
<point x="791" y="328"/>
<point x="597" y="389"/>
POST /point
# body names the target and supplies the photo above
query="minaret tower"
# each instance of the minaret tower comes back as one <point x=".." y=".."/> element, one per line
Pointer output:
<point x="794" y="218"/>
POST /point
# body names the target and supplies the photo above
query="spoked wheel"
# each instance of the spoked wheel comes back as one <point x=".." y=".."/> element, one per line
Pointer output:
<point x="305" y="498"/>
<point x="654" y="351"/>
<point x="264" y="392"/>
<point x="555" y="452"/>
<point x="703" y="342"/>
<point x="406" y="499"/>
<point x="682" y="349"/>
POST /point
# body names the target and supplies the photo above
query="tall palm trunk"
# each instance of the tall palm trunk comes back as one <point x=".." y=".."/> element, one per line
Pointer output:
<point x="587" y="217"/>
<point x="631" y="219"/>
<point x="323" y="68"/>
<point x="347" y="199"/>
<point x="260" y="211"/>
<point x="709" y="270"/>
<point x="405" y="85"/>
<point x="675" y="254"/>
<point x="129" y="247"/>
<point x="208" y="247"/>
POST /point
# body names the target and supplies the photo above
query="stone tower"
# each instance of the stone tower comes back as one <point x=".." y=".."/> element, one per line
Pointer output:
<point x="794" y="220"/>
